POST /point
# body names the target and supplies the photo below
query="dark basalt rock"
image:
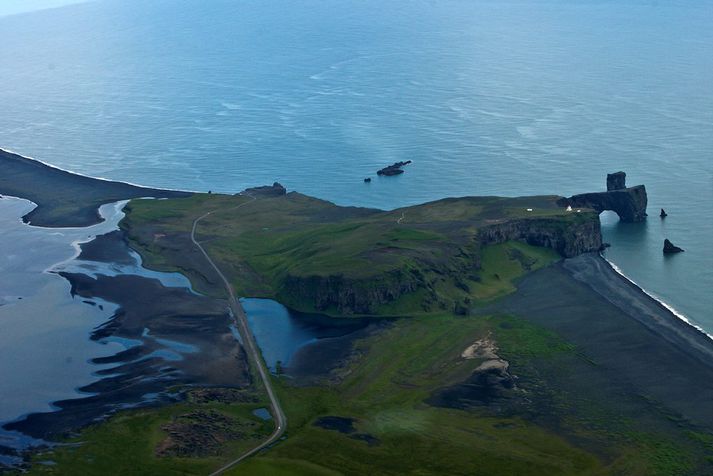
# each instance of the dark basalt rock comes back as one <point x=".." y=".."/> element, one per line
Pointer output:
<point x="569" y="241"/>
<point x="276" y="190"/>
<point x="663" y="213"/>
<point x="367" y="180"/>
<point x="628" y="202"/>
<point x="336" y="423"/>
<point x="487" y="386"/>
<point x="670" y="248"/>
<point x="350" y="296"/>
<point x="616" y="181"/>
<point x="393" y="169"/>
<point x="200" y="433"/>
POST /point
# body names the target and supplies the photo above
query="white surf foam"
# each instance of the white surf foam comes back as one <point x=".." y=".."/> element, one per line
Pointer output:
<point x="656" y="298"/>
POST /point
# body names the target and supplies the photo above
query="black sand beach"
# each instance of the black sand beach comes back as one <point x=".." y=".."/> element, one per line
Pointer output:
<point x="632" y="341"/>
<point x="64" y="199"/>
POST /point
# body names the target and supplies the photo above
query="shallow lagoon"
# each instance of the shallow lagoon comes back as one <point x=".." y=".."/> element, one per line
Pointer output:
<point x="46" y="353"/>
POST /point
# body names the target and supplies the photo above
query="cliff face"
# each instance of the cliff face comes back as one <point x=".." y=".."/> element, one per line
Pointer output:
<point x="351" y="296"/>
<point x="337" y="294"/>
<point x="567" y="240"/>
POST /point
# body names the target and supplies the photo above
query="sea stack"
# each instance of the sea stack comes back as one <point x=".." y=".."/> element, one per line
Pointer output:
<point x="616" y="181"/>
<point x="670" y="248"/>
<point x="663" y="213"/>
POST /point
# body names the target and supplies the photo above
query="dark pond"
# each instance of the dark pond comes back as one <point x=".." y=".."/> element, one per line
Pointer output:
<point x="280" y="332"/>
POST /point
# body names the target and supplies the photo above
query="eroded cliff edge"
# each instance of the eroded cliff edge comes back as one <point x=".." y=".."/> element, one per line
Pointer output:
<point x="567" y="239"/>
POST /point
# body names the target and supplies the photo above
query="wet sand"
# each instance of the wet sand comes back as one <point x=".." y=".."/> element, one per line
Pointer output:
<point x="632" y="341"/>
<point x="170" y="336"/>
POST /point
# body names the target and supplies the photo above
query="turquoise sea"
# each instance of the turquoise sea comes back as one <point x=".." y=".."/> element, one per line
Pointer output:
<point x="486" y="97"/>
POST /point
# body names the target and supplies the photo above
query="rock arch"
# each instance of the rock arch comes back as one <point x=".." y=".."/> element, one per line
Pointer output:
<point x="627" y="202"/>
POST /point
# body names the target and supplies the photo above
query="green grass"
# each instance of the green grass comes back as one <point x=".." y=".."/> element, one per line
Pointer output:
<point x="385" y="392"/>
<point x="287" y="247"/>
<point x="126" y="443"/>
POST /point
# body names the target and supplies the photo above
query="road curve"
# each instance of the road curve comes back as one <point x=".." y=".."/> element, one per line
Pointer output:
<point x="249" y="343"/>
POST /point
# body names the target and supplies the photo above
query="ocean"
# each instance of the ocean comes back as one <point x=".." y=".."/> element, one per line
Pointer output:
<point x="486" y="98"/>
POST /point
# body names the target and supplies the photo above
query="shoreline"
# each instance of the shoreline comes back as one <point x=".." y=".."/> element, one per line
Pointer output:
<point x="163" y="329"/>
<point x="64" y="199"/>
<point x="625" y="336"/>
<point x="677" y="314"/>
<point x="630" y="340"/>
<point x="659" y="317"/>
<point x="93" y="177"/>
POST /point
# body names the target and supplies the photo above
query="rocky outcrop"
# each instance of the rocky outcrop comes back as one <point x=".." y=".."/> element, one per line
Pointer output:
<point x="670" y="248"/>
<point x="276" y="190"/>
<point x="490" y="383"/>
<point x="349" y="296"/>
<point x="393" y="169"/>
<point x="201" y="433"/>
<point x="568" y="239"/>
<point x="629" y="203"/>
<point x="616" y="181"/>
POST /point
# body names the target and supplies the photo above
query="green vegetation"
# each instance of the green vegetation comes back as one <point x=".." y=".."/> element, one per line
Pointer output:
<point x="128" y="442"/>
<point x="315" y="256"/>
<point x="396" y="430"/>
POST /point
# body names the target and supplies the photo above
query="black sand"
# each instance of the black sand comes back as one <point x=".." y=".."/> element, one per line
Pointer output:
<point x="64" y="199"/>
<point x="631" y="342"/>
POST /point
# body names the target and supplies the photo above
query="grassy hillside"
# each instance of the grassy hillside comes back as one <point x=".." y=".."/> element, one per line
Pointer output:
<point x="315" y="256"/>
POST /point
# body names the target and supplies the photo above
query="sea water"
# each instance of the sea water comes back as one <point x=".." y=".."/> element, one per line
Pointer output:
<point x="486" y="97"/>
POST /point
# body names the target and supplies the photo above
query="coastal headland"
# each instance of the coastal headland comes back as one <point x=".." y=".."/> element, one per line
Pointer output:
<point x="503" y="343"/>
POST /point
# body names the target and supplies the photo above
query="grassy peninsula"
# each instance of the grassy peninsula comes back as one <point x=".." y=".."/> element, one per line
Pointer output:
<point x="314" y="256"/>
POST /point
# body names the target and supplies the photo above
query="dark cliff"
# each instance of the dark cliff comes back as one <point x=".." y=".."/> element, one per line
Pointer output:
<point x="616" y="181"/>
<point x="348" y="296"/>
<point x="568" y="239"/>
<point x="337" y="294"/>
